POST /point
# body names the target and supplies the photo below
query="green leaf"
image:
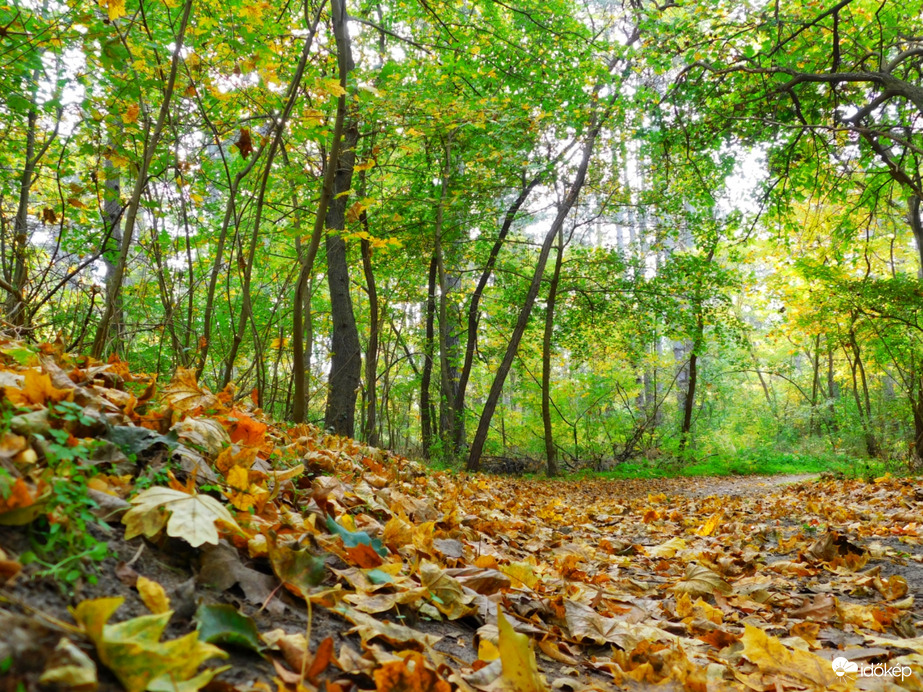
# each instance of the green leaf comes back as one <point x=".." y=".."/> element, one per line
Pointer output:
<point x="224" y="625"/>
<point x="352" y="539"/>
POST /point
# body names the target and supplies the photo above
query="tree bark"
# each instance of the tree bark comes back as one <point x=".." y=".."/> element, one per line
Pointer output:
<point x="551" y="454"/>
<point x="371" y="354"/>
<point x="426" y="415"/>
<point x="346" y="353"/>
<point x="916" y="225"/>
<point x="302" y="305"/>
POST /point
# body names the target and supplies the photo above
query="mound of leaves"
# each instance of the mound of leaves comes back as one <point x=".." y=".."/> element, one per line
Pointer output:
<point x="432" y="582"/>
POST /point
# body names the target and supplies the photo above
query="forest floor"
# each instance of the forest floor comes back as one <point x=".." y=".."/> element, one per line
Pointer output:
<point x="247" y="556"/>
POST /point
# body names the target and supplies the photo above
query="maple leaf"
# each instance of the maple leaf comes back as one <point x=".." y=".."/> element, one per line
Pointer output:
<point x="49" y="216"/>
<point x="114" y="8"/>
<point x="133" y="651"/>
<point x="184" y="394"/>
<point x="37" y="390"/>
<point x="245" y="430"/>
<point x="244" y="143"/>
<point x="131" y="113"/>
<point x="447" y="594"/>
<point x="190" y="517"/>
<point x="701" y="581"/>
<point x="772" y="656"/>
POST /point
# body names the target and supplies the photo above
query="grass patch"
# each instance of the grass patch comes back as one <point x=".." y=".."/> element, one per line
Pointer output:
<point x="748" y="463"/>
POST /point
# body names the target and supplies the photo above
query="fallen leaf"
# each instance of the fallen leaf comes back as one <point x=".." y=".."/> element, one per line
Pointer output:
<point x="152" y="595"/>
<point x="132" y="649"/>
<point x="410" y="674"/>
<point x="520" y="669"/>
<point x="772" y="656"/>
<point x="190" y="517"/>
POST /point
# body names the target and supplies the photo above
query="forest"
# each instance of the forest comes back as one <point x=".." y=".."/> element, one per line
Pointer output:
<point x="573" y="234"/>
<point x="284" y="279"/>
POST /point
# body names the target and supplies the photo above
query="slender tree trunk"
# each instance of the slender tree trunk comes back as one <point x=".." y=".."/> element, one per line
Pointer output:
<point x="426" y="415"/>
<point x="916" y="403"/>
<point x="15" y="303"/>
<point x="371" y="356"/>
<point x="346" y="352"/>
<point x="302" y="304"/>
<point x="916" y="225"/>
<point x="831" y="387"/>
<point x="689" y="401"/>
<point x="114" y="286"/>
<point x="496" y="388"/>
<point x="815" y="386"/>
<point x="551" y="455"/>
<point x="863" y="404"/>
<point x="112" y="217"/>
<point x="448" y="341"/>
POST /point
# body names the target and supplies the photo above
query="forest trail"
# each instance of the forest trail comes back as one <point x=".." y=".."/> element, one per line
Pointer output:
<point x="747" y="485"/>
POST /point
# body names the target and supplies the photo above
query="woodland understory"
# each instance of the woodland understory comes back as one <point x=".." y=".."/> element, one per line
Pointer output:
<point x="280" y="280"/>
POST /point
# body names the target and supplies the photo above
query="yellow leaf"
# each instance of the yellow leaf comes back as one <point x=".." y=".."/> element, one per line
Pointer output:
<point x="708" y="528"/>
<point x="153" y="595"/>
<point x="37" y="389"/>
<point x="116" y="9"/>
<point x="191" y="517"/>
<point x="487" y="650"/>
<point x="522" y="573"/>
<point x="520" y="671"/>
<point x="332" y="86"/>
<point x="772" y="656"/>
<point x="131" y="113"/>
<point x="133" y="651"/>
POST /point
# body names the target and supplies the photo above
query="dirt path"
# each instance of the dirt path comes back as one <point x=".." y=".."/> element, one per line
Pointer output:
<point x="743" y="486"/>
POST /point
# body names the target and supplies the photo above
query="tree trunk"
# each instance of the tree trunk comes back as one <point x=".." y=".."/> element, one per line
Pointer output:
<point x="302" y="302"/>
<point x="15" y="303"/>
<point x="916" y="225"/>
<point x="551" y="459"/>
<point x="496" y="388"/>
<point x="346" y="354"/>
<point x="371" y="354"/>
<point x="426" y="416"/>
<point x="114" y="286"/>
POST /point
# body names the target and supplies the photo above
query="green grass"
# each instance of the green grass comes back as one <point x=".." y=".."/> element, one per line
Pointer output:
<point x="748" y="463"/>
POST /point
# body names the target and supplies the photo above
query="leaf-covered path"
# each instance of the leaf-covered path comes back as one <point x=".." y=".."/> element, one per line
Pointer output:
<point x="223" y="527"/>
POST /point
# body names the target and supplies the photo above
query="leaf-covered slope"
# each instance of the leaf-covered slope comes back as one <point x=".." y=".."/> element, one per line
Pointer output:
<point x="571" y="585"/>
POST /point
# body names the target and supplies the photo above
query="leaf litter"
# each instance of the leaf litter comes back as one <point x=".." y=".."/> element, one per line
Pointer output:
<point x="425" y="581"/>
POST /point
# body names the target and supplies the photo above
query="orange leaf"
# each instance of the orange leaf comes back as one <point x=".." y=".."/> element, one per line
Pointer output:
<point x="246" y="431"/>
<point x="37" y="389"/>
<point x="322" y="658"/>
<point x="364" y="556"/>
<point x="19" y="497"/>
<point x="409" y="675"/>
